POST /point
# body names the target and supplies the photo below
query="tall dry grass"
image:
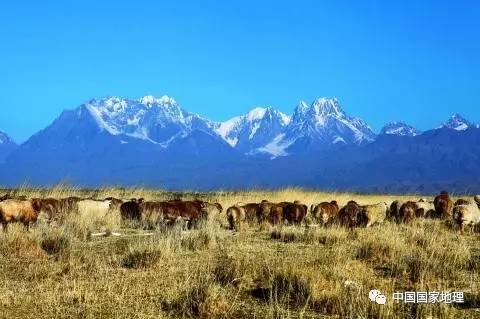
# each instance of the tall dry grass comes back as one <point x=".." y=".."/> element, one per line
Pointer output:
<point x="65" y="271"/>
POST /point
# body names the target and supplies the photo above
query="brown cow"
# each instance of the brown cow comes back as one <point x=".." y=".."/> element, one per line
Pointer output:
<point x="21" y="211"/>
<point x="235" y="216"/>
<point x="48" y="207"/>
<point x="394" y="212"/>
<point x="409" y="211"/>
<point x="276" y="214"/>
<point x="349" y="216"/>
<point x="476" y="198"/>
<point x="326" y="213"/>
<point x="443" y="205"/>
<point x="212" y="210"/>
<point x="131" y="210"/>
<point x="294" y="213"/>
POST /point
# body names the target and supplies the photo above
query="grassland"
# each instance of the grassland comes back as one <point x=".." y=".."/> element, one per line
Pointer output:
<point x="65" y="271"/>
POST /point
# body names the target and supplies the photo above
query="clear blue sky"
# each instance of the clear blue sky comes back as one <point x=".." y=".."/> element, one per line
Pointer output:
<point x="417" y="61"/>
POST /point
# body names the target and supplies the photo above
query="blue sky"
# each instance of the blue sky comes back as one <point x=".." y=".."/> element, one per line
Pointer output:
<point x="416" y="61"/>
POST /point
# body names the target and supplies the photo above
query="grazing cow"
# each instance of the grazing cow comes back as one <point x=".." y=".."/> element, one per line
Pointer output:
<point x="212" y="210"/>
<point x="49" y="208"/>
<point x="443" y="205"/>
<point x="466" y="215"/>
<point x="94" y="208"/>
<point x="325" y="213"/>
<point x="154" y="213"/>
<point x="394" y="214"/>
<point x="253" y="212"/>
<point x="425" y="209"/>
<point x="190" y="211"/>
<point x="21" y="211"/>
<point x="411" y="210"/>
<point x="115" y="203"/>
<point x="236" y="216"/>
<point x="477" y="199"/>
<point x="266" y="211"/>
<point x="349" y="215"/>
<point x="131" y="210"/>
<point x="374" y="214"/>
<point x="294" y="213"/>
<point x="276" y="214"/>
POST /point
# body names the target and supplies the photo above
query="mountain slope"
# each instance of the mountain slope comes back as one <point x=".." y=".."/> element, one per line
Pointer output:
<point x="457" y="122"/>
<point x="7" y="145"/>
<point x="154" y="142"/>
<point x="400" y="129"/>
<point x="254" y="130"/>
<point x="104" y="141"/>
<point x="323" y="125"/>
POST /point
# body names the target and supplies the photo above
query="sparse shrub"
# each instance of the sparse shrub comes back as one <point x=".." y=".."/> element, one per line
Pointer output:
<point x="229" y="270"/>
<point x="17" y="243"/>
<point x="55" y="243"/>
<point x="201" y="299"/>
<point x="292" y="289"/>
<point x="375" y="250"/>
<point x="141" y="258"/>
<point x="197" y="240"/>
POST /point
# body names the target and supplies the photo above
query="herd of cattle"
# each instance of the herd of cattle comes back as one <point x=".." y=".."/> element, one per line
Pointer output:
<point x="461" y="213"/>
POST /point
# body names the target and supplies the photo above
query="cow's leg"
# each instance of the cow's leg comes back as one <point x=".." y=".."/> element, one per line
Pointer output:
<point x="4" y="226"/>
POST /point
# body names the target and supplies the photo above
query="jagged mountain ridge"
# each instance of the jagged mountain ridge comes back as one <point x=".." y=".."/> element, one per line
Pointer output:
<point x="154" y="142"/>
<point x="400" y="129"/>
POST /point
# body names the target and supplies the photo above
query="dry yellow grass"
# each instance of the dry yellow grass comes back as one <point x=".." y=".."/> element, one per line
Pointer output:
<point x="291" y="272"/>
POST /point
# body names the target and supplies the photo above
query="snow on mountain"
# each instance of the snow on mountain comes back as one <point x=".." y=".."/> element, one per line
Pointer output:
<point x="323" y="124"/>
<point x="400" y="129"/>
<point x="457" y="122"/>
<point x="157" y="120"/>
<point x="254" y="129"/>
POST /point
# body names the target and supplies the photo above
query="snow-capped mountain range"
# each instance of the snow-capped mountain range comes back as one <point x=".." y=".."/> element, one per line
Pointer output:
<point x="158" y="120"/>
<point x="267" y="131"/>
<point x="323" y="124"/>
<point x="155" y="142"/>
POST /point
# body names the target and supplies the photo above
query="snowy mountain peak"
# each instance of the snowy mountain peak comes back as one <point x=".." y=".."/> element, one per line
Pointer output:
<point x="400" y="129"/>
<point x="327" y="106"/>
<point x="165" y="100"/>
<point x="254" y="129"/>
<point x="302" y="108"/>
<point x="457" y="122"/>
<point x="256" y="113"/>
<point x="325" y="123"/>
<point x="158" y="120"/>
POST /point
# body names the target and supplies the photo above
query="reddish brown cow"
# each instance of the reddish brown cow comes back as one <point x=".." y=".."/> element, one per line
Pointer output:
<point x="253" y="212"/>
<point x="235" y="216"/>
<point x="131" y="210"/>
<point x="408" y="211"/>
<point x="326" y="213"/>
<point x="294" y="213"/>
<point x="50" y="207"/>
<point x="21" y="211"/>
<point x="275" y="216"/>
<point x="443" y="205"/>
<point x="349" y="215"/>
